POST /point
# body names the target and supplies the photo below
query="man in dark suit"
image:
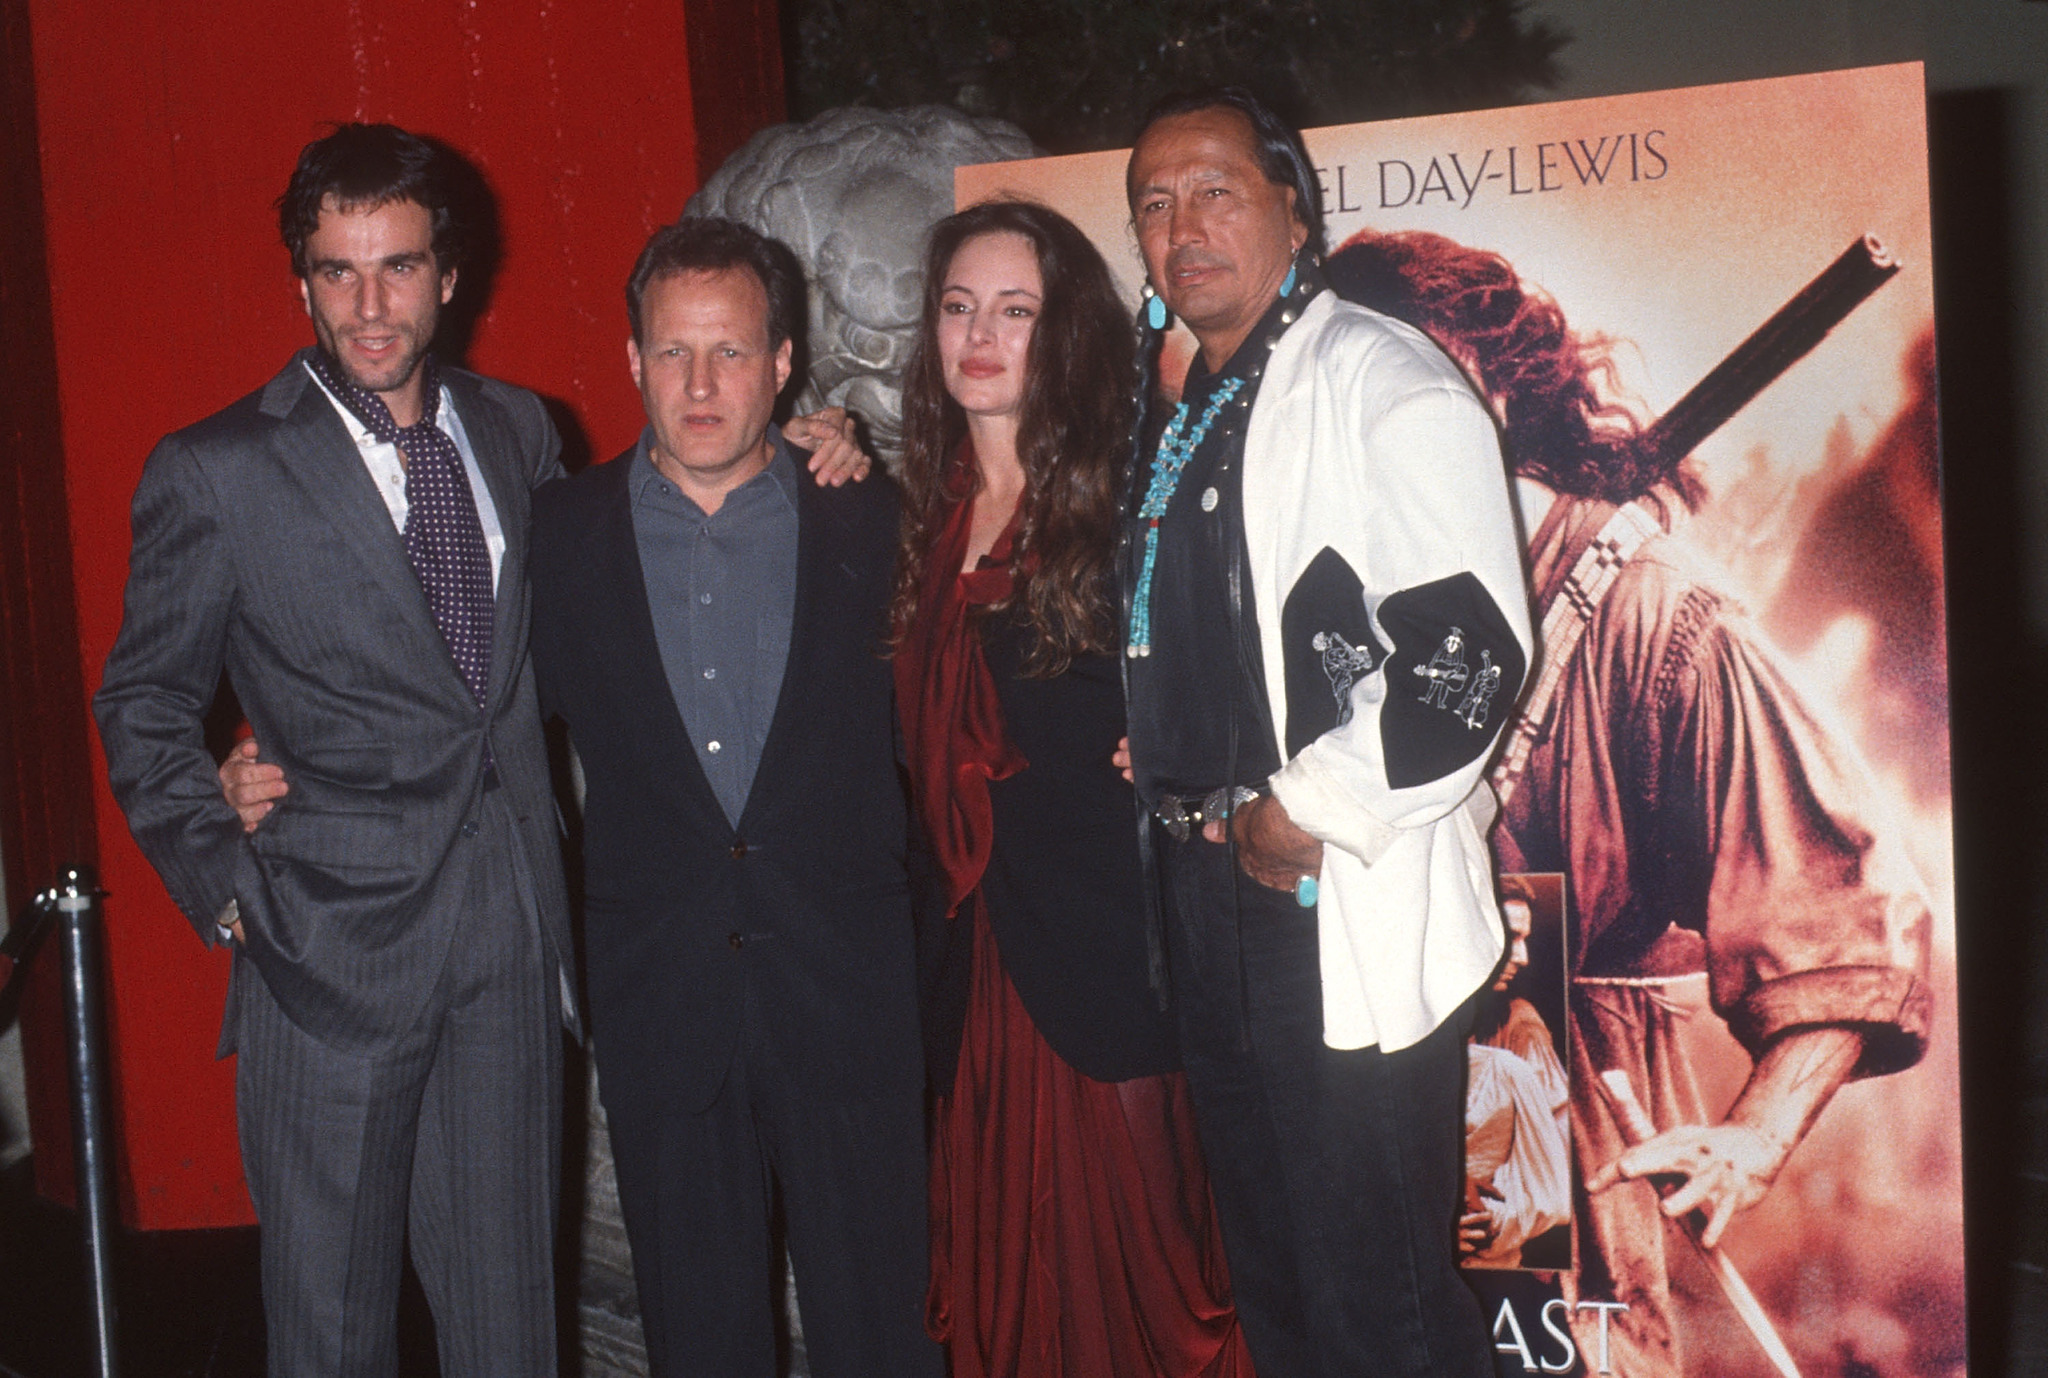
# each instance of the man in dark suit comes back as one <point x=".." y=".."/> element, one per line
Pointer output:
<point x="711" y="630"/>
<point x="349" y="543"/>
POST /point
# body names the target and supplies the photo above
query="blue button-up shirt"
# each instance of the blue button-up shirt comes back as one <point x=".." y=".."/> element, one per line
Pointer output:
<point x="722" y="590"/>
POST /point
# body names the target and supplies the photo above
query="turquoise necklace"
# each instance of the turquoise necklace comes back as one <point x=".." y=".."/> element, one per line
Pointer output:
<point x="1174" y="452"/>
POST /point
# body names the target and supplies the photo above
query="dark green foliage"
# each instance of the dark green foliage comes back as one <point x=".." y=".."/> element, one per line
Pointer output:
<point x="1076" y="74"/>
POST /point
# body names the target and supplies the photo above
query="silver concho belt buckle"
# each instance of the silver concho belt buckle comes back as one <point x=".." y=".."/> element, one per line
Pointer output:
<point x="1170" y="812"/>
<point x="1221" y="803"/>
<point x="1180" y="823"/>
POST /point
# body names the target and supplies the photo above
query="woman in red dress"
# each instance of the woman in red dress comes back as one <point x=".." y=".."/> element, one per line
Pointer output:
<point x="1072" y="1230"/>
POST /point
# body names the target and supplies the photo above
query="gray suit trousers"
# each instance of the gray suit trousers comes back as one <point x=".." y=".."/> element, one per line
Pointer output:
<point x="450" y="1134"/>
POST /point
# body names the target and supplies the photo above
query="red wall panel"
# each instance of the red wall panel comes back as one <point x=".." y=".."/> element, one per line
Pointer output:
<point x="167" y="131"/>
<point x="46" y="800"/>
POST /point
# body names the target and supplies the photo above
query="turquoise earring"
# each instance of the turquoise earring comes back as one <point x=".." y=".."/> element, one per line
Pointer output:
<point x="1155" y="312"/>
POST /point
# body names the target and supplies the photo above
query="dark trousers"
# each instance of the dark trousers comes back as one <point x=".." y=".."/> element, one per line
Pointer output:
<point x="694" y="1188"/>
<point x="1337" y="1175"/>
<point x="450" y="1134"/>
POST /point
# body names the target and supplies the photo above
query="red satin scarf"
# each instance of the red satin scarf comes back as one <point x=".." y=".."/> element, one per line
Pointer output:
<point x="946" y="698"/>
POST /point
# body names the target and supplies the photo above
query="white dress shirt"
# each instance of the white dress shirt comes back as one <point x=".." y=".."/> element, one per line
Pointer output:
<point x="387" y="471"/>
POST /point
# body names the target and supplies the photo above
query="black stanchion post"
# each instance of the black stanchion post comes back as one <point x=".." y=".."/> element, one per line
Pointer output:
<point x="76" y="898"/>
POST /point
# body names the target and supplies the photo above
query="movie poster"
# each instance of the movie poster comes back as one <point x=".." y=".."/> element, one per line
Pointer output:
<point x="1704" y="319"/>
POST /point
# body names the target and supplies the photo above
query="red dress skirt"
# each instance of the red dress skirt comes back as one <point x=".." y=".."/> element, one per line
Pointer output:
<point x="1072" y="1231"/>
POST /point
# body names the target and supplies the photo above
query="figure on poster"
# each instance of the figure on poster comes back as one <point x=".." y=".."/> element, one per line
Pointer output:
<point x="1327" y="901"/>
<point x="1517" y="1114"/>
<point x="1711" y="829"/>
<point x="708" y="624"/>
<point x="399" y="926"/>
<point x="1072" y="1227"/>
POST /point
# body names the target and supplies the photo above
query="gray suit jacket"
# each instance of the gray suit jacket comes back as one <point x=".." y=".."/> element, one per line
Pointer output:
<point x="262" y="547"/>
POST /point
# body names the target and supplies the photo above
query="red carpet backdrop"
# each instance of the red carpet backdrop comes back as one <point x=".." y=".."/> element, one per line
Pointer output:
<point x="1705" y="320"/>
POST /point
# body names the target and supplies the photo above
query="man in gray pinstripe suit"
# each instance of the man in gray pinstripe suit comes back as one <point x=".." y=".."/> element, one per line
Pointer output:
<point x="349" y="545"/>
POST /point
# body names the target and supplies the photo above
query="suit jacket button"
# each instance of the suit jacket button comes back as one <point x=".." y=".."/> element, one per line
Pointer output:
<point x="469" y="828"/>
<point x="736" y="940"/>
<point x="739" y="848"/>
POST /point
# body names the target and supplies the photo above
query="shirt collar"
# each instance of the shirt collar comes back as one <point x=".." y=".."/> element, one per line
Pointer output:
<point x="1247" y="363"/>
<point x="780" y="477"/>
<point x="357" y="431"/>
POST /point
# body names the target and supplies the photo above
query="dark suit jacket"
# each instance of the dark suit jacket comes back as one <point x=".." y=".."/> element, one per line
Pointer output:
<point x="804" y="907"/>
<point x="262" y="546"/>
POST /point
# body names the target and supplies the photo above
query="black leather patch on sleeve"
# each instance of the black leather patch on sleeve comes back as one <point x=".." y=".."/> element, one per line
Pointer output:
<point x="1453" y="673"/>
<point x="1327" y="646"/>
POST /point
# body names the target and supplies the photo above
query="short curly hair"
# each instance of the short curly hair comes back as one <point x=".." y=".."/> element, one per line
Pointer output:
<point x="362" y="167"/>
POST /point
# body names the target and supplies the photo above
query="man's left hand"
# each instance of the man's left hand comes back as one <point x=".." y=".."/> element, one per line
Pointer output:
<point x="1723" y="1169"/>
<point x="1270" y="848"/>
<point x="829" y="435"/>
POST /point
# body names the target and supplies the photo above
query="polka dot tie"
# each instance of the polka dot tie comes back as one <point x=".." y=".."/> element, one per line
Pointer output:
<point x="444" y="540"/>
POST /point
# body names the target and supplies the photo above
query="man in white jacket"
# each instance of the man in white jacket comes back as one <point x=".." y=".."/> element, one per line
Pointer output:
<point x="1327" y="626"/>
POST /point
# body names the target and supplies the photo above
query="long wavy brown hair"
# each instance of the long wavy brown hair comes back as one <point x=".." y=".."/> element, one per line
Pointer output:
<point x="1554" y="390"/>
<point x="1072" y="431"/>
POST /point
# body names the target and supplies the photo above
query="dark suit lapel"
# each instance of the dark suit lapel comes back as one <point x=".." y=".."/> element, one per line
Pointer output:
<point x="321" y="454"/>
<point x="820" y="624"/>
<point x="496" y="449"/>
<point x="620" y="595"/>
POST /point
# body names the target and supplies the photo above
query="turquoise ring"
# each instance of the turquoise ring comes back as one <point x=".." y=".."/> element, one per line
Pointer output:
<point x="1305" y="892"/>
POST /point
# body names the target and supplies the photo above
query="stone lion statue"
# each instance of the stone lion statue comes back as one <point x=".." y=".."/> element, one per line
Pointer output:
<point x="854" y="193"/>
